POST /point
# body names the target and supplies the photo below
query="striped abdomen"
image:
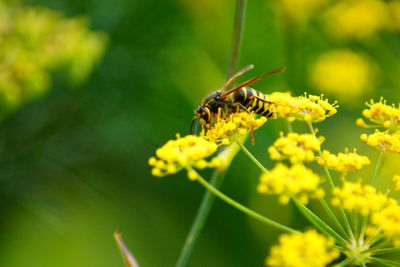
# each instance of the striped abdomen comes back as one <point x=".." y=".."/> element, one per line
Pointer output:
<point x="254" y="101"/>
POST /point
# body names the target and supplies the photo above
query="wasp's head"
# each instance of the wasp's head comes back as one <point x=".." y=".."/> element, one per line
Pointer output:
<point x="203" y="114"/>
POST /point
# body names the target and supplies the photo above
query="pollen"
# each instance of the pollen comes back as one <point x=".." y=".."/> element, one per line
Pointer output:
<point x="383" y="141"/>
<point x="184" y="152"/>
<point x="297" y="181"/>
<point x="343" y="162"/>
<point x="359" y="198"/>
<point x="226" y="130"/>
<point x="302" y="249"/>
<point x="381" y="115"/>
<point x="295" y="147"/>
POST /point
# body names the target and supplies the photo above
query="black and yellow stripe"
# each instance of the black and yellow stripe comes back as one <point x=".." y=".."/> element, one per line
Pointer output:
<point x="254" y="101"/>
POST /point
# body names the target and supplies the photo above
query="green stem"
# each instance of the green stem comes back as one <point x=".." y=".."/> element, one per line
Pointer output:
<point x="378" y="167"/>
<point x="248" y="153"/>
<point x="330" y="180"/>
<point x="237" y="36"/>
<point x="218" y="174"/>
<point x="345" y="262"/>
<point x="333" y="217"/>
<point x="242" y="208"/>
<point x="318" y="223"/>
<point x="384" y="251"/>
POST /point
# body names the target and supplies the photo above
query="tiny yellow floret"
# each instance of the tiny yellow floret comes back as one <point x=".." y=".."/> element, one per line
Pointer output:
<point x="297" y="181"/>
<point x="343" y="162"/>
<point x="295" y="147"/>
<point x="359" y="198"/>
<point x="184" y="152"/>
<point x="381" y="115"/>
<point x="383" y="141"/>
<point x="309" y="249"/>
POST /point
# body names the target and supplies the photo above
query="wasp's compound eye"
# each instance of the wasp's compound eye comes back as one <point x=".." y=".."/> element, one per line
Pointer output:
<point x="203" y="113"/>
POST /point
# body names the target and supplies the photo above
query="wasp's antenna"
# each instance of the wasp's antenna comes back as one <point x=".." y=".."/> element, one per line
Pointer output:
<point x="234" y="76"/>
<point x="251" y="81"/>
<point x="191" y="125"/>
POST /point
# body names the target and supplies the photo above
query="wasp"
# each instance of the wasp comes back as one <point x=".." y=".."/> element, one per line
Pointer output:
<point x="221" y="103"/>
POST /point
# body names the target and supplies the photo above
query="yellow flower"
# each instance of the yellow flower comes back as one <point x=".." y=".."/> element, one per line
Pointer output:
<point x="298" y="10"/>
<point x="295" y="181"/>
<point x="310" y="108"/>
<point x="343" y="74"/>
<point x="388" y="220"/>
<point x="343" y="162"/>
<point x="295" y="147"/>
<point x="356" y="19"/>
<point x="381" y="115"/>
<point x="228" y="129"/>
<point x="184" y="152"/>
<point x="360" y="198"/>
<point x="383" y="141"/>
<point x="396" y="179"/>
<point x="309" y="249"/>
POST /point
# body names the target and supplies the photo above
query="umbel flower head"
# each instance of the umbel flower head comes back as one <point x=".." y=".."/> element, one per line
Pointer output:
<point x="184" y="152"/>
<point x="295" y="147"/>
<point x="309" y="249"/>
<point x="388" y="221"/>
<point x="344" y="74"/>
<point x="309" y="108"/>
<point x="381" y="115"/>
<point x="226" y="130"/>
<point x="297" y="181"/>
<point x="383" y="141"/>
<point x="299" y="10"/>
<point x="360" y="198"/>
<point x="343" y="162"/>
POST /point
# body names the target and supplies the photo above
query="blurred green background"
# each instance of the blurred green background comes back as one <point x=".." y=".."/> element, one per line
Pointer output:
<point x="73" y="156"/>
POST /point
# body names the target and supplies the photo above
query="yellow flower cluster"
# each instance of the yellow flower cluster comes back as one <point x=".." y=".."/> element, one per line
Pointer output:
<point x="297" y="181"/>
<point x="382" y="115"/>
<point x="394" y="9"/>
<point x="356" y="19"/>
<point x="343" y="162"/>
<point x="383" y="141"/>
<point x="388" y="220"/>
<point x="236" y="124"/>
<point x="36" y="42"/>
<point x="343" y="74"/>
<point x="309" y="108"/>
<point x="296" y="11"/>
<point x="309" y="249"/>
<point x="356" y="197"/>
<point x="295" y="147"/>
<point x="184" y="152"/>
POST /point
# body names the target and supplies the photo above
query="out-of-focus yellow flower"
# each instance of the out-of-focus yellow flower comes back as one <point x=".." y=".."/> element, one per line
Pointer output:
<point x="309" y="249"/>
<point x="343" y="74"/>
<point x="184" y="152"/>
<point x="309" y="108"/>
<point x="356" y="19"/>
<point x="35" y="42"/>
<point x="381" y="115"/>
<point x="396" y="179"/>
<point x="359" y="198"/>
<point x="383" y="141"/>
<point x="295" y="147"/>
<point x="388" y="220"/>
<point x="394" y="9"/>
<point x="295" y="181"/>
<point x="226" y="130"/>
<point x="343" y="162"/>
<point x="298" y="10"/>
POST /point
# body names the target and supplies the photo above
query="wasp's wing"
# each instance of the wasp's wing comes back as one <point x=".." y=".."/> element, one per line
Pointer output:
<point x="234" y="76"/>
<point x="251" y="81"/>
